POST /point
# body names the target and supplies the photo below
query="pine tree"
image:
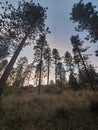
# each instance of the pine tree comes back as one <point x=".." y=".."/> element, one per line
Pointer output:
<point x="61" y="73"/>
<point x="21" y="65"/>
<point x="47" y="58"/>
<point x="86" y="17"/>
<point x="28" y="73"/>
<point x="39" y="48"/>
<point x="77" y="49"/>
<point x="68" y="60"/>
<point x="56" y="58"/>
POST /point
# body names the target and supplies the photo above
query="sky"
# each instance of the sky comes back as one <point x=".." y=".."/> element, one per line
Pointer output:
<point x="61" y="27"/>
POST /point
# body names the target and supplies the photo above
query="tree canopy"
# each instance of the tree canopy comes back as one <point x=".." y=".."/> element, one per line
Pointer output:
<point x="87" y="18"/>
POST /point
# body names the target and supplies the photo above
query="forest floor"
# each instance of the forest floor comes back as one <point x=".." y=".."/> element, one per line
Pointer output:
<point x="68" y="110"/>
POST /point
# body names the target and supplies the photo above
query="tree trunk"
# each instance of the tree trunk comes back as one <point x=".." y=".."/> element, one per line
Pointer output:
<point x="60" y="73"/>
<point x="10" y="65"/>
<point x="40" y="73"/>
<point x="55" y="71"/>
<point x="91" y="82"/>
<point x="1" y="109"/>
<point x="48" y="74"/>
<point x="81" y="75"/>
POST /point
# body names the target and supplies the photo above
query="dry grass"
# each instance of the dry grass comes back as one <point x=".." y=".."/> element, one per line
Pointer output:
<point x="70" y="110"/>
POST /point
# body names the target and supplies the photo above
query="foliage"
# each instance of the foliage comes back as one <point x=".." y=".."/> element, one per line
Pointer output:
<point x="4" y="50"/>
<point x="27" y="17"/>
<point x="78" y="50"/>
<point x="8" y="90"/>
<point x="3" y="65"/>
<point x="39" y="49"/>
<point x="94" y="105"/>
<point x="68" y="60"/>
<point x="92" y="73"/>
<point x="48" y="60"/>
<point x="87" y="18"/>
<point x="56" y="58"/>
<point x="61" y="73"/>
<point x="50" y="89"/>
<point x="73" y="82"/>
<point x="21" y="65"/>
<point x="12" y="77"/>
<point x="28" y="73"/>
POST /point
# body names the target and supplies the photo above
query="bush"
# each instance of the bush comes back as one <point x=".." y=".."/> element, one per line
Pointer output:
<point x="53" y="90"/>
<point x="11" y="90"/>
<point x="61" y="113"/>
<point x="94" y="104"/>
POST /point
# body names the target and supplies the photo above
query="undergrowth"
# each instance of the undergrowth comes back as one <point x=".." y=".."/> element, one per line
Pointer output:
<point x="67" y="111"/>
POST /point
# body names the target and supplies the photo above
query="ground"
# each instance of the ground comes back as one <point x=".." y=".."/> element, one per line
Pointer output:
<point x="24" y="109"/>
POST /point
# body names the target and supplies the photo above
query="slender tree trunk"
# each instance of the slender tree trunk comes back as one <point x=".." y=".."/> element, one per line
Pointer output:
<point x="28" y="82"/>
<point x="81" y="75"/>
<point x="48" y="74"/>
<point x="91" y="82"/>
<point x="40" y="77"/>
<point x="40" y="73"/>
<point x="1" y="109"/>
<point x="55" y="71"/>
<point x="10" y="65"/>
<point x="36" y="79"/>
<point x="60" y="73"/>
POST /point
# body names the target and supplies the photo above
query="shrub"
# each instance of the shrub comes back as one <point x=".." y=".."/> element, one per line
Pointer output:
<point x="11" y="90"/>
<point x="94" y="106"/>
<point x="53" y="90"/>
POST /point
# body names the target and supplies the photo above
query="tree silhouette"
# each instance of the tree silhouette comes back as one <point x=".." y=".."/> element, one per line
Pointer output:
<point x="86" y="16"/>
<point x="20" y="25"/>
<point x="61" y="73"/>
<point x="77" y="61"/>
<point x="4" y="50"/>
<point x="47" y="58"/>
<point x="39" y="48"/>
<point x="68" y="60"/>
<point x="56" y="58"/>
<point x="77" y="49"/>
<point x="92" y="72"/>
<point x="27" y="74"/>
<point x="3" y="64"/>
<point x="73" y="81"/>
<point x="12" y="77"/>
<point x="21" y="65"/>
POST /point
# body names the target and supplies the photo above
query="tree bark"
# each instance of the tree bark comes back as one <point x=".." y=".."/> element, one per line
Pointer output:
<point x="10" y="65"/>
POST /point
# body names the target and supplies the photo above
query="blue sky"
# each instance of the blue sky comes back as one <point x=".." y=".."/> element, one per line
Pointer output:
<point x="58" y="20"/>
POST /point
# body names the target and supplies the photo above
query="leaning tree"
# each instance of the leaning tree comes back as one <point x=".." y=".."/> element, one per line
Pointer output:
<point x="78" y="51"/>
<point x="20" y="25"/>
